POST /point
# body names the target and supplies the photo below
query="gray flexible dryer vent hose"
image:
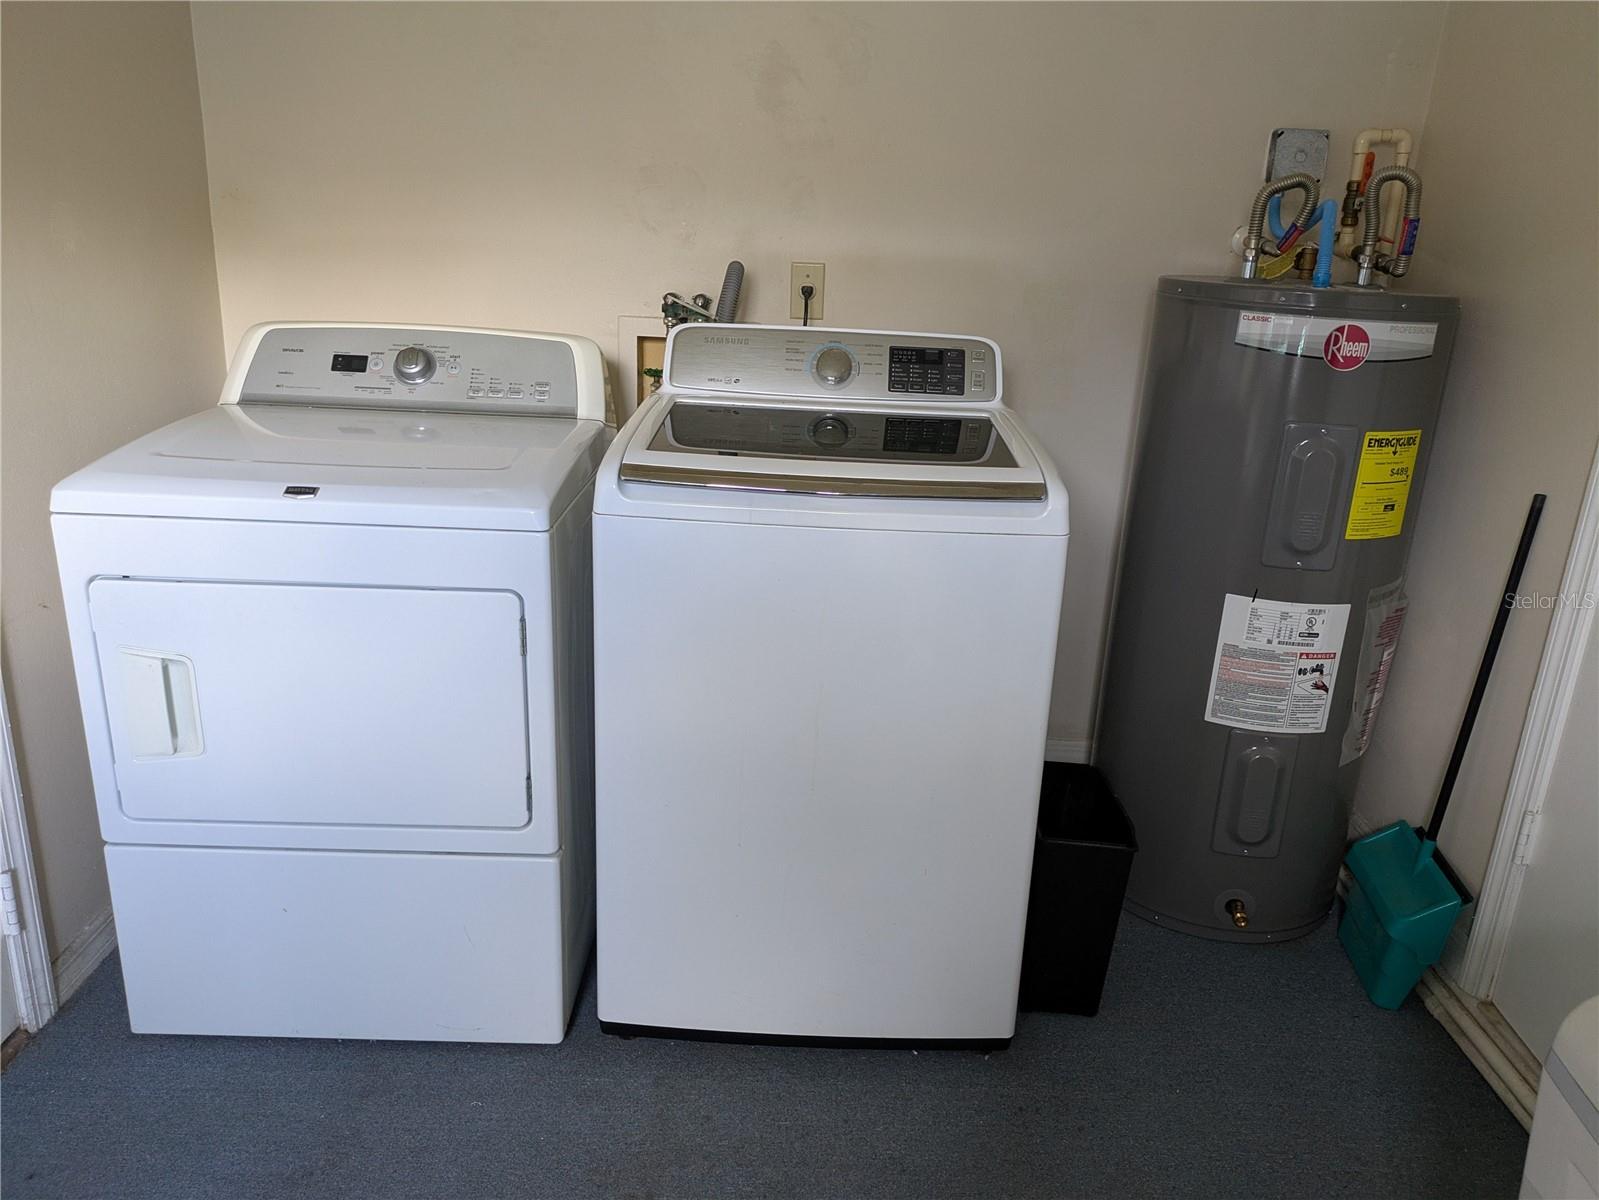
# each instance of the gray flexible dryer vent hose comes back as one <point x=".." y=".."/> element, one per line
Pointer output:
<point x="1257" y="213"/>
<point x="732" y="284"/>
<point x="1400" y="263"/>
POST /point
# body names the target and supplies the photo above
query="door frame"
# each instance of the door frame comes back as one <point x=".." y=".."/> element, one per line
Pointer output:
<point x="1552" y="694"/>
<point x="35" y="978"/>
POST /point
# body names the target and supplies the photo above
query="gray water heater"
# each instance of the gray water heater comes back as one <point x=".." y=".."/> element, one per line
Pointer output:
<point x="1284" y="446"/>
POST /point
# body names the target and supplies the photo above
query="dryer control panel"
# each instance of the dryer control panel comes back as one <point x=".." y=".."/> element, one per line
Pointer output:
<point x="850" y="364"/>
<point x="397" y="367"/>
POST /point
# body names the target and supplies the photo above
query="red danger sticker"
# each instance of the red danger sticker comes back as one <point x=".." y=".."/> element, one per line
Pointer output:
<point x="1346" y="347"/>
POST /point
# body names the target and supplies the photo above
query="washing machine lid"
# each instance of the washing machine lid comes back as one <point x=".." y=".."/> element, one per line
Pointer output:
<point x="902" y="466"/>
<point x="322" y="464"/>
<point x="832" y="451"/>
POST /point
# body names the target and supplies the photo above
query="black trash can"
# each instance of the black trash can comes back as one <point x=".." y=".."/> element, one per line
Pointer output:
<point x="1081" y="860"/>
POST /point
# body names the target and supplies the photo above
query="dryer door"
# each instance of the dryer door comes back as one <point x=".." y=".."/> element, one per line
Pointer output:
<point x="314" y="705"/>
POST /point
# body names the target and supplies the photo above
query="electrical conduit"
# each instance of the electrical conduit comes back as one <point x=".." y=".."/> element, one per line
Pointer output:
<point x="732" y="284"/>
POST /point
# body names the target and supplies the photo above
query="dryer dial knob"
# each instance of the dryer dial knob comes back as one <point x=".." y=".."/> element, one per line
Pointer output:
<point x="834" y="366"/>
<point x="830" y="431"/>
<point x="414" y="365"/>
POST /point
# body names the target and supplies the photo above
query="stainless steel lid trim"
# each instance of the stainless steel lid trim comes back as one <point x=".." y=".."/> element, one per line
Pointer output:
<point x="820" y="485"/>
<point x="767" y="430"/>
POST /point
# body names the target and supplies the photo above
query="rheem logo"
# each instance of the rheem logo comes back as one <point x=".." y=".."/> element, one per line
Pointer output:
<point x="1346" y="347"/>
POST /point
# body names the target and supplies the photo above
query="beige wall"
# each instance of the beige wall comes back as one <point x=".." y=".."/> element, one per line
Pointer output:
<point x="111" y="326"/>
<point x="1508" y="224"/>
<point x="1020" y="171"/>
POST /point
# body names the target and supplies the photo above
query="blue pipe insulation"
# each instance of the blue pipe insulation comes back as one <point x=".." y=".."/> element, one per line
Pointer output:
<point x="1274" y="214"/>
<point x="1327" y="218"/>
<point x="1285" y="238"/>
<point x="1274" y="217"/>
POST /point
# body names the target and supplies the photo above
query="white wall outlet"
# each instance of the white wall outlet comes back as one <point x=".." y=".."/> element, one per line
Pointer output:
<point x="799" y="274"/>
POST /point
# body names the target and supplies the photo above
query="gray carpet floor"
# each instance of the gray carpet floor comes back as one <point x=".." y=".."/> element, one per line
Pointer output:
<point x="1212" y="1071"/>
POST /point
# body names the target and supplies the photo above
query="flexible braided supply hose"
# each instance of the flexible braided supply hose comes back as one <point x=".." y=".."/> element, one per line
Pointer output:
<point x="1406" y="243"/>
<point x="1257" y="215"/>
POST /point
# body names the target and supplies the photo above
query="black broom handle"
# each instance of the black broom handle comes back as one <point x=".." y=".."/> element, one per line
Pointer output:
<point x="1507" y="602"/>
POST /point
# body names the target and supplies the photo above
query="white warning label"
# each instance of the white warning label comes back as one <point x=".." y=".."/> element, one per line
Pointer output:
<point x="1385" y="616"/>
<point x="1276" y="664"/>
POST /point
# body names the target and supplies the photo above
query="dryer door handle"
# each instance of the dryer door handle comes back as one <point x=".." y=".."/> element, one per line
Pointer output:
<point x="161" y="710"/>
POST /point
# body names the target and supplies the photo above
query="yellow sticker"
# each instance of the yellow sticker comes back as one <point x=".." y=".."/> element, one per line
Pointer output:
<point x="1382" y="484"/>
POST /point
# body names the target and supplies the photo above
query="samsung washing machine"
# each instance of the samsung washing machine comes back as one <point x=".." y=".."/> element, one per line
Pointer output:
<point x="331" y="639"/>
<point x="828" y="573"/>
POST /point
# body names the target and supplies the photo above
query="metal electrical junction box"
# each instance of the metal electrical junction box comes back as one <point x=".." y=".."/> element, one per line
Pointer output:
<point x="1294" y="150"/>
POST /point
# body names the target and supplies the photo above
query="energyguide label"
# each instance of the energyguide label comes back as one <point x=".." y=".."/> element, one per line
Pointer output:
<point x="1382" y="484"/>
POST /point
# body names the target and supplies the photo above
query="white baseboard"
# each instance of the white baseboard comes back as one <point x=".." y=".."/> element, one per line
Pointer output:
<point x="1487" y="1040"/>
<point x="1068" y="750"/>
<point x="83" y="954"/>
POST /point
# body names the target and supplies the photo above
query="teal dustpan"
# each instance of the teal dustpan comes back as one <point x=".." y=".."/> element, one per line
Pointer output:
<point x="1403" y="898"/>
<point x="1398" y="913"/>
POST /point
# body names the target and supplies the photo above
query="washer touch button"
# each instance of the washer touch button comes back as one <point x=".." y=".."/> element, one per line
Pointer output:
<point x="833" y="365"/>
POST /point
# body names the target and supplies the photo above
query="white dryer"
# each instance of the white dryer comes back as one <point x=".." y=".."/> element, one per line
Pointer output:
<point x="332" y="645"/>
<point x="828" y="573"/>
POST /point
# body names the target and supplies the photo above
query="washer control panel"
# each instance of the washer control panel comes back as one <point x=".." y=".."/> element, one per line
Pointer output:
<point x="434" y="369"/>
<point x="754" y="429"/>
<point x="813" y="362"/>
<point x="929" y="370"/>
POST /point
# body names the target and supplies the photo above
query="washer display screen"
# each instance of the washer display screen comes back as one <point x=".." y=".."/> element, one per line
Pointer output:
<point x="927" y="369"/>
